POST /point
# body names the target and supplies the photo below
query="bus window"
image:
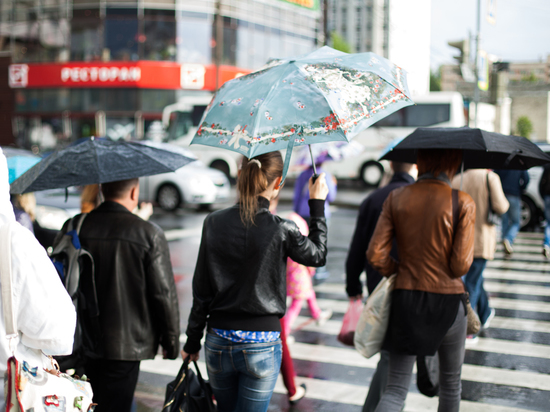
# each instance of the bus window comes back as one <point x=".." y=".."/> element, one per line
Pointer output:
<point x="423" y="115"/>
<point x="420" y="115"/>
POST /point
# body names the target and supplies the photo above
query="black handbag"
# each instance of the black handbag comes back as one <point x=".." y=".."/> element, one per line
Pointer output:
<point x="492" y="217"/>
<point x="189" y="392"/>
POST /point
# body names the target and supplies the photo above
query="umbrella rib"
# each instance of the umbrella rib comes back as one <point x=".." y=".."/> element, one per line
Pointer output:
<point x="273" y="87"/>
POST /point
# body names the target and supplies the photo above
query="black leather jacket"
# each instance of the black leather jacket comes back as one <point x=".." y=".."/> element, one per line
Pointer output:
<point x="135" y="285"/>
<point x="240" y="277"/>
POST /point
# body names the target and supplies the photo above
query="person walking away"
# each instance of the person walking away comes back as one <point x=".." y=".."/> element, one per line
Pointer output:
<point x="24" y="207"/>
<point x="544" y="190"/>
<point x="239" y="288"/>
<point x="300" y="205"/>
<point x="299" y="286"/>
<point x="356" y="263"/>
<point x="513" y="183"/>
<point x="480" y="184"/>
<point x="43" y="309"/>
<point x="136" y="295"/>
<point x="434" y="231"/>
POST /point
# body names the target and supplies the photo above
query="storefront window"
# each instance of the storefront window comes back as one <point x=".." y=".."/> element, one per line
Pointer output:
<point x="83" y="127"/>
<point x="121" y="100"/>
<point x="86" y="35"/>
<point x="159" y="35"/>
<point x="121" y="34"/>
<point x="120" y="128"/>
<point x="194" y="40"/>
<point x="156" y="100"/>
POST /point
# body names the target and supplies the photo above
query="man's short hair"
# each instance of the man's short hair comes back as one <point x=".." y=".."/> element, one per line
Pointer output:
<point x="401" y="167"/>
<point x="118" y="189"/>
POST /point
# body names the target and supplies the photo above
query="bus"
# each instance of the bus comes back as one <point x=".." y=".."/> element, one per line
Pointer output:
<point x="435" y="109"/>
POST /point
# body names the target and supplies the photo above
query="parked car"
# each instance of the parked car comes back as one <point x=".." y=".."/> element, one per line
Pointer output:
<point x="192" y="184"/>
<point x="532" y="205"/>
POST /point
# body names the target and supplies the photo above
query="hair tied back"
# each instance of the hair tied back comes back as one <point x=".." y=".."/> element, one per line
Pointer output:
<point x="255" y="161"/>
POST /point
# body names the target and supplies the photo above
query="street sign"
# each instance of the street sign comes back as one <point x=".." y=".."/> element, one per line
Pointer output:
<point x="492" y="11"/>
<point x="483" y="70"/>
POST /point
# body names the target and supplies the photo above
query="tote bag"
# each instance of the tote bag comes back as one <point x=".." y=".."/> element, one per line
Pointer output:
<point x="373" y="323"/>
<point x="32" y="388"/>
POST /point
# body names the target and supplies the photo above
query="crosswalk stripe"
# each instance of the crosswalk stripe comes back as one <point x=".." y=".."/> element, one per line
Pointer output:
<point x="339" y="392"/>
<point x="517" y="289"/>
<point x="517" y="304"/>
<point x="509" y="264"/>
<point x="491" y="273"/>
<point x="335" y="288"/>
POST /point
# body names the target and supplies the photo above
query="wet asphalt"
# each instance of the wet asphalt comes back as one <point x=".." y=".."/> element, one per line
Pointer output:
<point x="508" y="370"/>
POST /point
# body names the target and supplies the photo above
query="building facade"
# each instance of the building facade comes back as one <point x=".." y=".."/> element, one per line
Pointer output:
<point x="398" y="30"/>
<point x="84" y="68"/>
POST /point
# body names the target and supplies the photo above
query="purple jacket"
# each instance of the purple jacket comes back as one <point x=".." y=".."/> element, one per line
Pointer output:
<point x="301" y="192"/>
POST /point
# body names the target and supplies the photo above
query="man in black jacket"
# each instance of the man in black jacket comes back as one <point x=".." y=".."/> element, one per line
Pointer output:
<point x="356" y="263"/>
<point x="136" y="295"/>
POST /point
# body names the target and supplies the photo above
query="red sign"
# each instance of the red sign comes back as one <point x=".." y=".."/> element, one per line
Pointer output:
<point x="141" y="74"/>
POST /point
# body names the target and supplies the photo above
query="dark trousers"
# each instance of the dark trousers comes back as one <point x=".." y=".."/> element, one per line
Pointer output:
<point x="113" y="382"/>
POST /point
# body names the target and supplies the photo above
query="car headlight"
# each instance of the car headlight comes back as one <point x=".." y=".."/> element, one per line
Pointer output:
<point x="51" y="217"/>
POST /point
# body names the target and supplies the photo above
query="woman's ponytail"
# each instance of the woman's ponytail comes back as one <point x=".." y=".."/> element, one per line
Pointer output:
<point x="255" y="177"/>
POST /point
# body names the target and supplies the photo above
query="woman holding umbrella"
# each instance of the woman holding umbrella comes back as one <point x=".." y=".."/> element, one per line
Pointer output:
<point x="239" y="287"/>
<point x="434" y="230"/>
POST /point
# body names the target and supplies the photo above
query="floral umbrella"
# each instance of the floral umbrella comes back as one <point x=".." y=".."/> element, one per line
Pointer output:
<point x="321" y="97"/>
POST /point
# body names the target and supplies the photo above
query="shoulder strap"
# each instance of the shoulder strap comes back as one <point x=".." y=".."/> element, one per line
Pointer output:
<point x="489" y="192"/>
<point x="78" y="220"/>
<point x="455" y="210"/>
<point x="6" y="280"/>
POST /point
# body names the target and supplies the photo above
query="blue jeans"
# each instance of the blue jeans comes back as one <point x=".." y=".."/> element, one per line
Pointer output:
<point x="474" y="284"/>
<point x="547" y="217"/>
<point x="510" y="219"/>
<point x="242" y="375"/>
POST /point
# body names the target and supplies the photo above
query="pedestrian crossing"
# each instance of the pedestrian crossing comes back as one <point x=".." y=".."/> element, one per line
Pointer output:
<point x="507" y="370"/>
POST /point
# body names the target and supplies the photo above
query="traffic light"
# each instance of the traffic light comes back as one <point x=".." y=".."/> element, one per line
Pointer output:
<point x="464" y="47"/>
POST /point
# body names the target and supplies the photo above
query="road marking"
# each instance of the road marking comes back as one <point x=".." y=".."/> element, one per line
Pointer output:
<point x="350" y="394"/>
<point x="176" y="234"/>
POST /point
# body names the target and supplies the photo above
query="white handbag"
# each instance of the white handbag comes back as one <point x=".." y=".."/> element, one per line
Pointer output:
<point x="32" y="388"/>
<point x="373" y="322"/>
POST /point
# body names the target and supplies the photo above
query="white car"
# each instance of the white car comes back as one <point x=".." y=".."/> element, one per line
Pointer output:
<point x="192" y="184"/>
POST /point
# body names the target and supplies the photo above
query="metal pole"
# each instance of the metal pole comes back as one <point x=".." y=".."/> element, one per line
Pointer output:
<point x="325" y="22"/>
<point x="219" y="40"/>
<point x="476" y="88"/>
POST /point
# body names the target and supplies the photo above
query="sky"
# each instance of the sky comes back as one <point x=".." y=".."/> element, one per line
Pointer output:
<point x="521" y="32"/>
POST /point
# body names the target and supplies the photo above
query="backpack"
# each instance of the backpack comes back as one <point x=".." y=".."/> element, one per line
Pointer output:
<point x="75" y="267"/>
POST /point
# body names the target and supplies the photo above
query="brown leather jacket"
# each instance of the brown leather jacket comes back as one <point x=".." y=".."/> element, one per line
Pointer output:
<point x="420" y="218"/>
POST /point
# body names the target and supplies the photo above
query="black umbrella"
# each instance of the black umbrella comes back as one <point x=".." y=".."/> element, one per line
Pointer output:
<point x="97" y="161"/>
<point x="482" y="149"/>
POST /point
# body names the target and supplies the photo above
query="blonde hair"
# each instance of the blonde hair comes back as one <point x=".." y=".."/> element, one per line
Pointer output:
<point x="255" y="177"/>
<point x="27" y="203"/>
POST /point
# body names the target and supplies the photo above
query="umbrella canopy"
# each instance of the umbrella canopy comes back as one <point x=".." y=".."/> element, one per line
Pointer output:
<point x="482" y="149"/>
<point x="332" y="151"/>
<point x="97" y="161"/>
<point x="324" y="96"/>
<point x="17" y="165"/>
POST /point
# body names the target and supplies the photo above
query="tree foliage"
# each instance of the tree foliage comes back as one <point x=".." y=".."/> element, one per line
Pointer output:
<point x="339" y="43"/>
<point x="524" y="127"/>
<point x="435" y="81"/>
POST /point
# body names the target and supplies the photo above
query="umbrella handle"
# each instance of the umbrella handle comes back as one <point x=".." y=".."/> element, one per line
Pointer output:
<point x="315" y="175"/>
